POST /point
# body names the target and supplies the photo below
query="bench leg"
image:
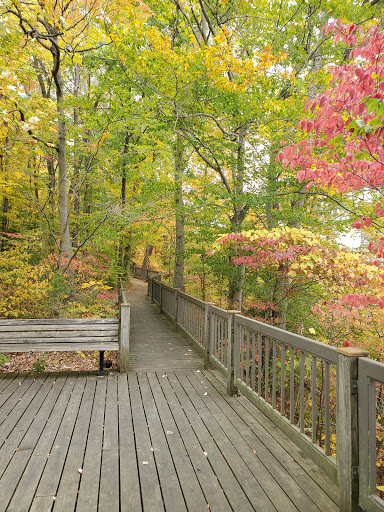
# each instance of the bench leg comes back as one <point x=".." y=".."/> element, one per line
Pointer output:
<point x="101" y="367"/>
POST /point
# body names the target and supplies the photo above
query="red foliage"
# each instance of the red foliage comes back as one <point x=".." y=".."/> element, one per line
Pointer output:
<point x="345" y="145"/>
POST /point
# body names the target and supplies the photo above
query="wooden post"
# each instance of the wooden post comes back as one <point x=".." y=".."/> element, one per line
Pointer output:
<point x="161" y="298"/>
<point x="207" y="334"/>
<point x="152" y="301"/>
<point x="231" y="390"/>
<point x="176" y="323"/>
<point x="347" y="434"/>
<point x="125" y="312"/>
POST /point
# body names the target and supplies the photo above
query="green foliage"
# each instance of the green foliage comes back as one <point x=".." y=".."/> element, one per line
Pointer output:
<point x="39" y="364"/>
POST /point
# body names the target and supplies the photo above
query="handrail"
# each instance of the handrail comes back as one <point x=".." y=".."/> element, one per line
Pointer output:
<point x="294" y="380"/>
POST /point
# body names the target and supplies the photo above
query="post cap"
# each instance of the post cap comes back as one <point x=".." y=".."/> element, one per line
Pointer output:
<point x="352" y="351"/>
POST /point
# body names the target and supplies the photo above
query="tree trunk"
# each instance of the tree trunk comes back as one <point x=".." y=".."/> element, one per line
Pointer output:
<point x="147" y="255"/>
<point x="5" y="208"/>
<point x="124" y="248"/>
<point x="240" y="209"/>
<point x="178" y="278"/>
<point x="65" y="240"/>
<point x="75" y="183"/>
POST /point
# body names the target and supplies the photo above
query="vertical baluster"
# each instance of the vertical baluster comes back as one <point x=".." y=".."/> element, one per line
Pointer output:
<point x="227" y="344"/>
<point x="292" y="385"/>
<point x="253" y="370"/>
<point x="326" y="410"/>
<point x="241" y="333"/>
<point x="282" y="380"/>
<point x="266" y="369"/>
<point x="274" y="374"/>
<point x="302" y="390"/>
<point x="314" y="399"/>
<point x="247" y="359"/>
<point x="212" y="334"/>
<point x="241" y="353"/>
<point x="259" y="364"/>
<point x="219" y="338"/>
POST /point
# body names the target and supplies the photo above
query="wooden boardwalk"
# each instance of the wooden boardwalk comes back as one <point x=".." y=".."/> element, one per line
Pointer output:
<point x="165" y="438"/>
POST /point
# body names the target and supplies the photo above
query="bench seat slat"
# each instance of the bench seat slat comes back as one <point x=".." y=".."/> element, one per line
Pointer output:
<point x="58" y="327"/>
<point x="56" y="347"/>
<point x="79" y="341"/>
<point x="57" y="334"/>
<point x="60" y="321"/>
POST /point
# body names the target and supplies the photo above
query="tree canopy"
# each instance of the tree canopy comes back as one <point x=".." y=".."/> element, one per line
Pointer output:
<point x="229" y="144"/>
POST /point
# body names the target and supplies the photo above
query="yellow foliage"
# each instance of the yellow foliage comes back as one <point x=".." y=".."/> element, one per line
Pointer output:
<point x="23" y="285"/>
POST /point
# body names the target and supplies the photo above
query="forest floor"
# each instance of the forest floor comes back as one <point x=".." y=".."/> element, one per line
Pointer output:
<point x="55" y="361"/>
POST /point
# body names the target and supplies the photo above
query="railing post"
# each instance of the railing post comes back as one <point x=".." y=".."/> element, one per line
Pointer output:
<point x="161" y="298"/>
<point x="124" y="328"/>
<point x="152" y="301"/>
<point x="347" y="434"/>
<point x="176" y="323"/>
<point x="207" y="334"/>
<point x="231" y="390"/>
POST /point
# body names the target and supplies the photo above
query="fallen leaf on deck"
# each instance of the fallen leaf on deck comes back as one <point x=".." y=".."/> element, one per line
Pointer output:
<point x="145" y="462"/>
<point x="80" y="471"/>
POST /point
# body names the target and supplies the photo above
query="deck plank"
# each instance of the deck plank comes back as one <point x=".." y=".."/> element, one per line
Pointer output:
<point x="43" y="429"/>
<point x="50" y="479"/>
<point x="130" y="497"/>
<point x="43" y="404"/>
<point x="12" y="432"/>
<point x="109" y="479"/>
<point x="199" y="483"/>
<point x="232" y="475"/>
<point x="66" y="496"/>
<point x="272" y="476"/>
<point x="169" y="481"/>
<point x="90" y="479"/>
<point x="149" y="483"/>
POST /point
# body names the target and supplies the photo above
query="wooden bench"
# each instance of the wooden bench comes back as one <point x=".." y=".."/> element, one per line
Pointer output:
<point x="60" y="335"/>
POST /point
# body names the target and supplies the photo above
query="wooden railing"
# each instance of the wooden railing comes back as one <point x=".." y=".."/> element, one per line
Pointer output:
<point x="144" y="273"/>
<point x="308" y="389"/>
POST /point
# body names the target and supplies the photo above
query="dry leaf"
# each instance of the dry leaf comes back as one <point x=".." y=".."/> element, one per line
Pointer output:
<point x="169" y="432"/>
<point x="145" y="462"/>
<point x="80" y="471"/>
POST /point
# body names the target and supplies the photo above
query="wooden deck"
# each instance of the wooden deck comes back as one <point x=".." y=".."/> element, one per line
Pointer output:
<point x="167" y="437"/>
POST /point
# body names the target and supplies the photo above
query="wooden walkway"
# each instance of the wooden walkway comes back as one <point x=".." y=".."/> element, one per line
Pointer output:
<point x="165" y="438"/>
